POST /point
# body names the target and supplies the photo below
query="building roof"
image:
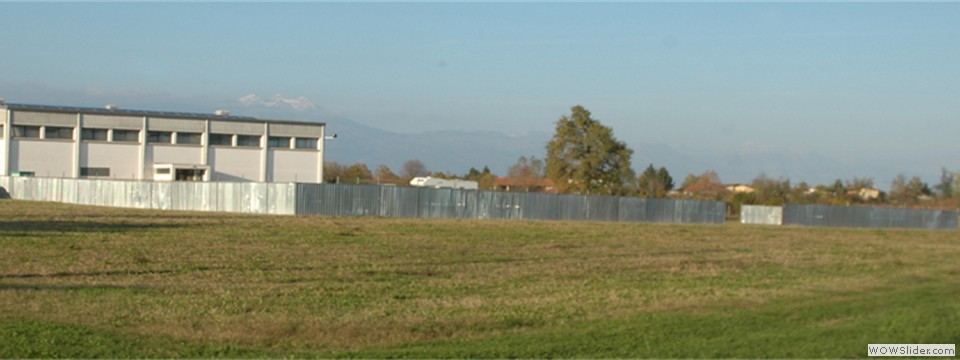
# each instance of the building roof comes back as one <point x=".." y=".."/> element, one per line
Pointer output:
<point x="146" y="113"/>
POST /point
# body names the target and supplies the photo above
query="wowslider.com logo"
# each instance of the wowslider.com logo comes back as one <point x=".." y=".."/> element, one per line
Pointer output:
<point x="911" y="350"/>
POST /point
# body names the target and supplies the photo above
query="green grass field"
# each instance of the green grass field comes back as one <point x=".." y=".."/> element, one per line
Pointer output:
<point x="87" y="282"/>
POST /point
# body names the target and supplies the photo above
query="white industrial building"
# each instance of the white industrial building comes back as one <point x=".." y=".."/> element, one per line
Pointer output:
<point x="113" y="143"/>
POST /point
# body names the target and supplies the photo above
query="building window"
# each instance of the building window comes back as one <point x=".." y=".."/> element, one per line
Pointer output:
<point x="94" y="172"/>
<point x="29" y="132"/>
<point x="93" y="134"/>
<point x="126" y="135"/>
<point x="163" y="171"/>
<point x="1" y="131"/>
<point x="248" y="140"/>
<point x="278" y="142"/>
<point x="221" y="139"/>
<point x="306" y="143"/>
<point x="56" y="132"/>
<point x="188" y="138"/>
<point x="160" y="137"/>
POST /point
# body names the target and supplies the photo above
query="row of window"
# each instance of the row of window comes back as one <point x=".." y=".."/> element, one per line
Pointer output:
<point x="105" y="134"/>
<point x="84" y="172"/>
<point x="281" y="142"/>
<point x="161" y="137"/>
<point x="48" y="132"/>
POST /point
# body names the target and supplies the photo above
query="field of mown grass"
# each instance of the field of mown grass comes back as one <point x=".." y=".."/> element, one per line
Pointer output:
<point x="88" y="282"/>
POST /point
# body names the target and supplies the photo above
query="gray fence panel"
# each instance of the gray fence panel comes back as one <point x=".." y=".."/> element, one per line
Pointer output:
<point x="512" y="205"/>
<point x="572" y="207"/>
<point x="88" y="192"/>
<point x="761" y="215"/>
<point x="436" y="203"/>
<point x="539" y="206"/>
<point x="99" y="193"/>
<point x="632" y="209"/>
<point x="500" y="205"/>
<point x="309" y="200"/>
<point x="358" y="200"/>
<point x="661" y="210"/>
<point x="364" y="200"/>
<point x="140" y="194"/>
<point x="704" y="212"/>
<point x="603" y="208"/>
<point x="189" y="196"/>
<point x="70" y="191"/>
<point x="230" y="196"/>
<point x="30" y="189"/>
<point x="484" y="205"/>
<point x="216" y="196"/>
<point x="465" y="203"/>
<point x="283" y="199"/>
<point x="255" y="198"/>
<point x="684" y="211"/>
<point x="399" y="201"/>
<point x="868" y="217"/>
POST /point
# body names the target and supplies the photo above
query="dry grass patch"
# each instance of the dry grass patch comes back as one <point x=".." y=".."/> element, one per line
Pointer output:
<point x="336" y="284"/>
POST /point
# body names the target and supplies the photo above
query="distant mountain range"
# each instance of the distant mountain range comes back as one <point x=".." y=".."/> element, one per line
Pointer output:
<point x="447" y="151"/>
<point x="457" y="151"/>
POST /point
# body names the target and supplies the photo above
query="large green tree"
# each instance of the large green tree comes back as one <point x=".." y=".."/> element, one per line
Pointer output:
<point x="585" y="158"/>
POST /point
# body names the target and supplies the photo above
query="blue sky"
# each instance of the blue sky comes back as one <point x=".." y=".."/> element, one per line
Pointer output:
<point x="859" y="83"/>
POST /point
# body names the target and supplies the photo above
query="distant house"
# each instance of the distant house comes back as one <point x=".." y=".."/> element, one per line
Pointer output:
<point x="867" y="194"/>
<point x="703" y="190"/>
<point x="530" y="185"/>
<point x="739" y="188"/>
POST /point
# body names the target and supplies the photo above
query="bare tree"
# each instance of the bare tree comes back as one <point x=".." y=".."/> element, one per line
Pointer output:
<point x="526" y="173"/>
<point x="412" y="169"/>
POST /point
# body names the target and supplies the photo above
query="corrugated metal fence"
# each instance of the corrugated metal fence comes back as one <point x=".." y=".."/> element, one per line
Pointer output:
<point x="392" y="201"/>
<point x="869" y="217"/>
<point x="848" y="216"/>
<point x="259" y="198"/>
<point x="358" y="200"/>
<point x="761" y="215"/>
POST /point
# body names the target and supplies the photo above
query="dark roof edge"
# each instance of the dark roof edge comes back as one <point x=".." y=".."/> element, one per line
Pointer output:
<point x="149" y="113"/>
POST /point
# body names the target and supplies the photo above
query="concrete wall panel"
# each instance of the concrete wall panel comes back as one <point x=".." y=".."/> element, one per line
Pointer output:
<point x="44" y="158"/>
<point x="293" y="166"/>
<point x="121" y="159"/>
<point x="234" y="164"/>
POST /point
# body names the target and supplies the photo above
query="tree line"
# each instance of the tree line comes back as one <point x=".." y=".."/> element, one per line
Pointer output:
<point x="584" y="157"/>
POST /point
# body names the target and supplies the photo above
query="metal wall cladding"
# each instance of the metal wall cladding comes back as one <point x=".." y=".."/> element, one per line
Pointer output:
<point x="572" y="207"/>
<point x="260" y="198"/>
<point x="868" y="217"/>
<point x="684" y="211"/>
<point x="538" y="206"/>
<point x="633" y="209"/>
<point x="761" y="215"/>
<point x="393" y="201"/>
<point x="358" y="200"/>
<point x="399" y="201"/>
<point x="603" y="208"/>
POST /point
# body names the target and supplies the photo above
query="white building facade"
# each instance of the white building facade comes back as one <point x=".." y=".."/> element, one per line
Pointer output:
<point x="109" y="143"/>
